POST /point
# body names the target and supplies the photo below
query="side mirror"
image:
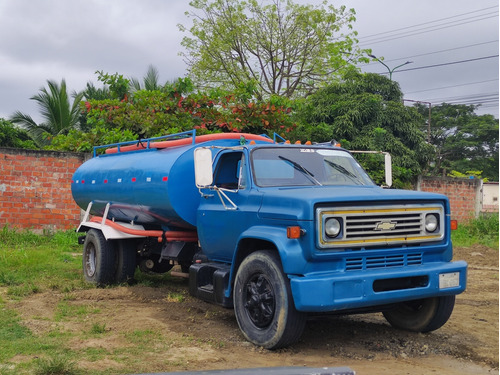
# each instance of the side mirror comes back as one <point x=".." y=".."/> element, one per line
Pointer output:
<point x="203" y="167"/>
<point x="388" y="169"/>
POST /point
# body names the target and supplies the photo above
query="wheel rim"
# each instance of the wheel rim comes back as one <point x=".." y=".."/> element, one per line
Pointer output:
<point x="259" y="301"/>
<point x="90" y="260"/>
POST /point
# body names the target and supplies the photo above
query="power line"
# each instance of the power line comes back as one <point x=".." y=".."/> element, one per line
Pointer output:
<point x="449" y="87"/>
<point x="423" y="31"/>
<point x="426" y="23"/>
<point x="436" y="52"/>
<point x="445" y="64"/>
<point x="490" y="98"/>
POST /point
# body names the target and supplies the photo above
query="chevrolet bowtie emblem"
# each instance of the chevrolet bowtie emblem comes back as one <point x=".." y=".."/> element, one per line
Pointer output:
<point x="385" y="225"/>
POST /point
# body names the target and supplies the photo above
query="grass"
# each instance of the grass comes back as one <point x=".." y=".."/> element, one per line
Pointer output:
<point x="98" y="328"/>
<point x="57" y="365"/>
<point x="483" y="231"/>
<point x="65" y="311"/>
<point x="31" y="264"/>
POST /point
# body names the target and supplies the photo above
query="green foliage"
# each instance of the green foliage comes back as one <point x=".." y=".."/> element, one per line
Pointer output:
<point x="281" y="47"/>
<point x="155" y="113"/>
<point x="58" y="113"/>
<point x="365" y="112"/>
<point x="467" y="174"/>
<point x="85" y="141"/>
<point x="463" y="141"/>
<point x="150" y="81"/>
<point x="11" y="136"/>
<point x="118" y="86"/>
<point x="483" y="230"/>
<point x="96" y="93"/>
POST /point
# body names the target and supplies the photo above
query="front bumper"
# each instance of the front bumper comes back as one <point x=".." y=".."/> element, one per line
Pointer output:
<point x="320" y="292"/>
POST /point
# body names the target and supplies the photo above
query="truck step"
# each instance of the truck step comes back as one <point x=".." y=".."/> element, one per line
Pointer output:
<point x="209" y="282"/>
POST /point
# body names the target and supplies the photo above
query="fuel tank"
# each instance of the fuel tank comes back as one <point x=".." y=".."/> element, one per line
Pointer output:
<point x="154" y="187"/>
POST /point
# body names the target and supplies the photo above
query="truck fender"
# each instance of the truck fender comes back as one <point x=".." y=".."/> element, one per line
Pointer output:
<point x="108" y="232"/>
<point x="289" y="250"/>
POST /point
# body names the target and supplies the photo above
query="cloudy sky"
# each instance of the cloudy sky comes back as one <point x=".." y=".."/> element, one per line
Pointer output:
<point x="452" y="44"/>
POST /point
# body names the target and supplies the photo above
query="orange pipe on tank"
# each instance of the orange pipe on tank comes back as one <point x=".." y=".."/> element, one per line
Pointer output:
<point x="188" y="141"/>
<point x="170" y="235"/>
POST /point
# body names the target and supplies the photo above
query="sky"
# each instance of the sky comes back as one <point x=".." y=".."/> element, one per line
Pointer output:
<point x="452" y="46"/>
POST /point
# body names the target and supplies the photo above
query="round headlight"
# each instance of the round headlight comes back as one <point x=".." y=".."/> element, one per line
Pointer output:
<point x="431" y="223"/>
<point x="332" y="227"/>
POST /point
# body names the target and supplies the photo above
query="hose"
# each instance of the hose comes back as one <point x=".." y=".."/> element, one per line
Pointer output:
<point x="168" y="235"/>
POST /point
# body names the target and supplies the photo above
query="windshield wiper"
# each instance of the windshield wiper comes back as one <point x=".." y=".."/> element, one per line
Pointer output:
<point x="300" y="168"/>
<point x="342" y="170"/>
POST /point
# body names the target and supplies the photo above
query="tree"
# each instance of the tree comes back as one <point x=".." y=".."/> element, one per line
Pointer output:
<point x="150" y="81"/>
<point x="156" y="113"/>
<point x="284" y="48"/>
<point x="96" y="93"/>
<point x="58" y="113"/>
<point x="365" y="112"/>
<point x="10" y="136"/>
<point x="117" y="86"/>
<point x="463" y="141"/>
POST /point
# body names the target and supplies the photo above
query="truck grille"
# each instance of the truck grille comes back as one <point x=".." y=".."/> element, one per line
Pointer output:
<point x="381" y="225"/>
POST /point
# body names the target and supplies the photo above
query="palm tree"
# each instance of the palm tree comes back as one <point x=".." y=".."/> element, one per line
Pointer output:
<point x="93" y="93"/>
<point x="59" y="115"/>
<point x="150" y="80"/>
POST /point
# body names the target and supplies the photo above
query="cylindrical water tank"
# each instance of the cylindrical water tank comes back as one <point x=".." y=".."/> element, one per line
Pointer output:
<point x="154" y="186"/>
<point x="151" y="187"/>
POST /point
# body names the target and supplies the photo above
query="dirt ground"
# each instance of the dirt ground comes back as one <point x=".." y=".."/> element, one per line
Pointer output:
<point x="202" y="336"/>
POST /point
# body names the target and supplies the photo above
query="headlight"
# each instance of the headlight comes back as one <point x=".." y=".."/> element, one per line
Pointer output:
<point x="332" y="227"/>
<point x="431" y="223"/>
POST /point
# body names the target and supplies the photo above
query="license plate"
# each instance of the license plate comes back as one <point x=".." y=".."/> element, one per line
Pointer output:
<point x="449" y="280"/>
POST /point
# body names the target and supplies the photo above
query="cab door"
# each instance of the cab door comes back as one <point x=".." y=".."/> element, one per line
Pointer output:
<point x="230" y="207"/>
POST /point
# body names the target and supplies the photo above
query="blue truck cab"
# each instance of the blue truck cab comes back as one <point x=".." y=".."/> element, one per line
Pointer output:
<point x="282" y="231"/>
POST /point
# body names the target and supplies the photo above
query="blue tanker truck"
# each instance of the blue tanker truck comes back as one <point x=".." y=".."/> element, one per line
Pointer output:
<point x="275" y="231"/>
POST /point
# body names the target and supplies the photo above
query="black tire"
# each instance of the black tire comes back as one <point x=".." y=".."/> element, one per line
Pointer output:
<point x="423" y="315"/>
<point x="263" y="302"/>
<point x="126" y="261"/>
<point x="98" y="259"/>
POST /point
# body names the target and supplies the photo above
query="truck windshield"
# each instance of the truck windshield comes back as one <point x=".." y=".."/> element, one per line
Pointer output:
<point x="296" y="166"/>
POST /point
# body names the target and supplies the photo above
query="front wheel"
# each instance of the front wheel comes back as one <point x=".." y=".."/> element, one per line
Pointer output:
<point x="423" y="315"/>
<point x="263" y="302"/>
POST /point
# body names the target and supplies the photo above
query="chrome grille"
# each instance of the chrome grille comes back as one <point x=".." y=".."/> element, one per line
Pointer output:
<point x="392" y="225"/>
<point x="381" y="225"/>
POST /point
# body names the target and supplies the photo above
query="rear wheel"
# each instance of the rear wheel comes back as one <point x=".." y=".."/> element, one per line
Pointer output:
<point x="126" y="261"/>
<point x="98" y="258"/>
<point x="263" y="302"/>
<point x="423" y="315"/>
<point x="152" y="264"/>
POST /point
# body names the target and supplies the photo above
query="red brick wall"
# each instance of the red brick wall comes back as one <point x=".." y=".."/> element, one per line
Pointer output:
<point x="35" y="189"/>
<point x="464" y="194"/>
